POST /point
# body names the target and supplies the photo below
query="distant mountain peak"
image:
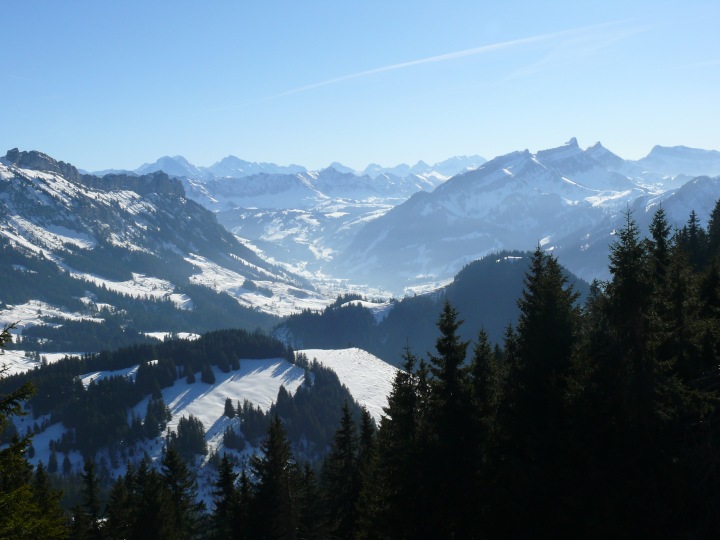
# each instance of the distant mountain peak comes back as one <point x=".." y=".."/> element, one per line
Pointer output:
<point x="40" y="162"/>
<point x="340" y="167"/>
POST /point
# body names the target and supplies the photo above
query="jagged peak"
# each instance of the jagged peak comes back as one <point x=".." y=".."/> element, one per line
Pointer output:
<point x="41" y="162"/>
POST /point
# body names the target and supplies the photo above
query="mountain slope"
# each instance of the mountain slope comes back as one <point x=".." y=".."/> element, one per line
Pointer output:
<point x="516" y="201"/>
<point x="485" y="293"/>
<point x="137" y="237"/>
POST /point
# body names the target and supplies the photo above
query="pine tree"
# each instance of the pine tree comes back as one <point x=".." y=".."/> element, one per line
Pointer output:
<point x="536" y="412"/>
<point x="229" y="409"/>
<point x="226" y="499"/>
<point x="66" y="465"/>
<point x="659" y="246"/>
<point x="450" y="446"/>
<point x="390" y="506"/>
<point x="181" y="490"/>
<point x="340" y="478"/>
<point x="713" y="232"/>
<point x="52" y="463"/>
<point x="311" y="525"/>
<point x="154" y="512"/>
<point x="274" y="511"/>
<point x="693" y="241"/>
<point x="48" y="500"/>
<point x="120" y="509"/>
<point x="91" y="514"/>
<point x="486" y="382"/>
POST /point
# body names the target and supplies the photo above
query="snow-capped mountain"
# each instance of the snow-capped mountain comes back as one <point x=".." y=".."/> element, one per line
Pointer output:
<point x="681" y="160"/>
<point x="516" y="201"/>
<point x="172" y="166"/>
<point x="444" y="169"/>
<point x="304" y="218"/>
<point x="235" y="167"/>
<point x="137" y="236"/>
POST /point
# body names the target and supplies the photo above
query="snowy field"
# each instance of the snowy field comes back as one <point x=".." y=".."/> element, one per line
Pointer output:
<point x="368" y="378"/>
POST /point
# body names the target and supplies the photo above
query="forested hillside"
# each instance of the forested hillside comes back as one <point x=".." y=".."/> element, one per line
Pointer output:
<point x="484" y="293"/>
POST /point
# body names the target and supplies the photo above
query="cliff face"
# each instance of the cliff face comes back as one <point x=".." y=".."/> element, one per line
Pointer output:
<point x="157" y="182"/>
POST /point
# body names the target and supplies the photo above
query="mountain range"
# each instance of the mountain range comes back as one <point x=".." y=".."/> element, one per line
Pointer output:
<point x="407" y="227"/>
<point x="280" y="239"/>
<point x="564" y="199"/>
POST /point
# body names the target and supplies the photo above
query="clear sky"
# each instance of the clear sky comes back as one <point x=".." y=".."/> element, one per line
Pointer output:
<point x="114" y="84"/>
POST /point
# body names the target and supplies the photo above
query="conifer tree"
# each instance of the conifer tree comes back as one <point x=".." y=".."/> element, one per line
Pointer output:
<point x="390" y="507"/>
<point x="340" y="477"/>
<point x="451" y="443"/>
<point x="274" y="506"/>
<point x="229" y="409"/>
<point x="181" y="490"/>
<point x="226" y="499"/>
<point x="536" y="412"/>
<point x="311" y="525"/>
<point x="713" y="233"/>
<point x="659" y="246"/>
<point x="120" y="509"/>
<point x="91" y="507"/>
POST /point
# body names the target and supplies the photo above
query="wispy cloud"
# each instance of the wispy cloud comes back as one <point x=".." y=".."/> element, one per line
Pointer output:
<point x="577" y="47"/>
<point x="476" y="51"/>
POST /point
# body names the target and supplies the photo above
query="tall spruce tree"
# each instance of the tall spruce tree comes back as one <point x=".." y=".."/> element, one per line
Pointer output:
<point x="390" y="506"/>
<point x="535" y="420"/>
<point x="226" y="499"/>
<point x="274" y="511"/>
<point x="341" y="478"/>
<point x="450" y="450"/>
<point x="181" y="490"/>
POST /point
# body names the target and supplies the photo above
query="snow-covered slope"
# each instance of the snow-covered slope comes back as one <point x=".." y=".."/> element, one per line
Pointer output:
<point x="563" y="198"/>
<point x="135" y="236"/>
<point x="681" y="160"/>
<point x="368" y="378"/>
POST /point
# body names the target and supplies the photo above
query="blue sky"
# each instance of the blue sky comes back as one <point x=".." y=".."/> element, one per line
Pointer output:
<point x="116" y="84"/>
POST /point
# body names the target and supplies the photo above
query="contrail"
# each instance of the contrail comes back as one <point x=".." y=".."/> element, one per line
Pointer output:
<point x="448" y="56"/>
<point x="432" y="59"/>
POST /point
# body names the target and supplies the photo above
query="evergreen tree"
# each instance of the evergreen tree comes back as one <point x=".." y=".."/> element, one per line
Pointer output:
<point x="390" y="507"/>
<point x="154" y="512"/>
<point x="229" y="409"/>
<point x="536" y="411"/>
<point x="451" y="443"/>
<point x="181" y="490"/>
<point x="90" y="515"/>
<point x="340" y="478"/>
<point x="189" y="440"/>
<point x="713" y="233"/>
<point x="659" y="246"/>
<point x="311" y="525"/>
<point x="120" y="509"/>
<point x="274" y="506"/>
<point x="226" y="499"/>
<point x="48" y="503"/>
<point x="486" y="380"/>
<point x="693" y="241"/>
<point x="52" y="463"/>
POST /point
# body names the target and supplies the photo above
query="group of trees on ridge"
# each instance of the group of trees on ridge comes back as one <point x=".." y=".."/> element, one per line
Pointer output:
<point x="595" y="421"/>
